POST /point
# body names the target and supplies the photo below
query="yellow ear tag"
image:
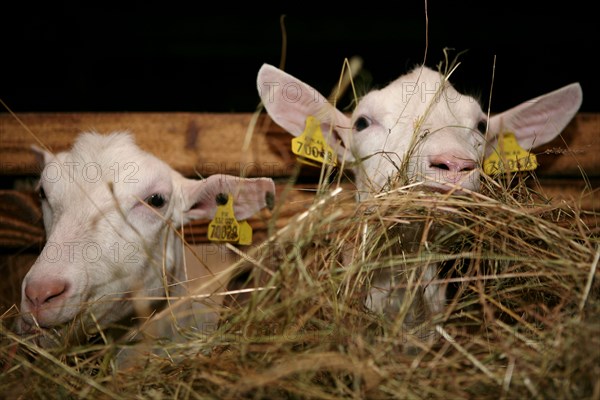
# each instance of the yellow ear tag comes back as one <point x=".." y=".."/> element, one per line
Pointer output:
<point x="245" y="233"/>
<point x="311" y="145"/>
<point x="224" y="227"/>
<point x="306" y="161"/>
<point x="509" y="157"/>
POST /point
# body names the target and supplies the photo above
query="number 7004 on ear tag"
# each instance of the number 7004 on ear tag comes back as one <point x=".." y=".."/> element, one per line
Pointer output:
<point x="311" y="146"/>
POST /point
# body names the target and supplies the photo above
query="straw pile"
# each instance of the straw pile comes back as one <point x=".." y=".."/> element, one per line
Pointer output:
<point x="521" y="320"/>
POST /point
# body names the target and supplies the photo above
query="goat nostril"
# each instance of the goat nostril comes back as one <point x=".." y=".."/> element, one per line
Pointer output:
<point x="451" y="163"/>
<point x="468" y="166"/>
<point x="39" y="293"/>
<point x="53" y="296"/>
<point x="442" y="166"/>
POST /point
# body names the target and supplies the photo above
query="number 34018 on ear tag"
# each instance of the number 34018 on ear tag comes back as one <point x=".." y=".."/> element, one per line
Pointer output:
<point x="509" y="157"/>
<point x="311" y="146"/>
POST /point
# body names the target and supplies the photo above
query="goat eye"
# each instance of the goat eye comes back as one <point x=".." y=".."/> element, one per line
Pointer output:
<point x="42" y="194"/>
<point x="361" y="123"/>
<point x="156" y="200"/>
<point x="482" y="126"/>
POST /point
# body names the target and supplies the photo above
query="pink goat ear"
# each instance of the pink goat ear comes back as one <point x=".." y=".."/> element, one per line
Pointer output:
<point x="539" y="120"/>
<point x="250" y="195"/>
<point x="289" y="102"/>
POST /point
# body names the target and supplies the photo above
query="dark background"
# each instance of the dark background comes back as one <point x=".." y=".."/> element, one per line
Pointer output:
<point x="161" y="56"/>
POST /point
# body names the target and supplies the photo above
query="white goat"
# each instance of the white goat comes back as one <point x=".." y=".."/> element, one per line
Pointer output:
<point x="418" y="124"/>
<point x="110" y="212"/>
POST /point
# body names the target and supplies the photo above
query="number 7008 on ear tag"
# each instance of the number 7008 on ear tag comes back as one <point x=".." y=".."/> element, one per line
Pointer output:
<point x="226" y="228"/>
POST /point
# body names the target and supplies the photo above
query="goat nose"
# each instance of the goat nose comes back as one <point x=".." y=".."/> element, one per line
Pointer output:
<point x="39" y="293"/>
<point x="450" y="163"/>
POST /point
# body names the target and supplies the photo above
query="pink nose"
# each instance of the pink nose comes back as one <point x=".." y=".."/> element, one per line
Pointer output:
<point x="447" y="162"/>
<point x="447" y="168"/>
<point x="40" y="293"/>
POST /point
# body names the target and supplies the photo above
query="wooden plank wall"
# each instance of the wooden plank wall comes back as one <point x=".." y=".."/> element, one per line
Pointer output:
<point x="210" y="143"/>
<point x="202" y="144"/>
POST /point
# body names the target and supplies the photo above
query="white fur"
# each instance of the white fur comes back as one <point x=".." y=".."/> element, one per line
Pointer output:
<point x="106" y="246"/>
<point x="419" y="124"/>
<point x="420" y="115"/>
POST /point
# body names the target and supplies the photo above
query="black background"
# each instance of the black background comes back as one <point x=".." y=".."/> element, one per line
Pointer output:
<point x="167" y="56"/>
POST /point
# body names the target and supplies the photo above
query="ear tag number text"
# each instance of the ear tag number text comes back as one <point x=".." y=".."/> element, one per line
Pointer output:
<point x="311" y="146"/>
<point x="225" y="228"/>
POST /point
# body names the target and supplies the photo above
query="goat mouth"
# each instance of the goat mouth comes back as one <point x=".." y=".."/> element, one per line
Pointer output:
<point x="31" y="328"/>
<point x="436" y="187"/>
<point x="26" y="327"/>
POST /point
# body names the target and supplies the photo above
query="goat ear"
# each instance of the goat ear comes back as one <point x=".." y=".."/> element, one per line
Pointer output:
<point x="289" y="101"/>
<point x="249" y="195"/>
<point x="538" y="121"/>
<point x="42" y="156"/>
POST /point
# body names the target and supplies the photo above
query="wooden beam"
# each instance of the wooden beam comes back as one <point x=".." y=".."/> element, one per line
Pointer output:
<point x="190" y="143"/>
<point x="575" y="151"/>
<point x="208" y="143"/>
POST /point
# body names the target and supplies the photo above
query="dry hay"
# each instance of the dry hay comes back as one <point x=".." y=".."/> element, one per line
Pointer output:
<point x="522" y="316"/>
